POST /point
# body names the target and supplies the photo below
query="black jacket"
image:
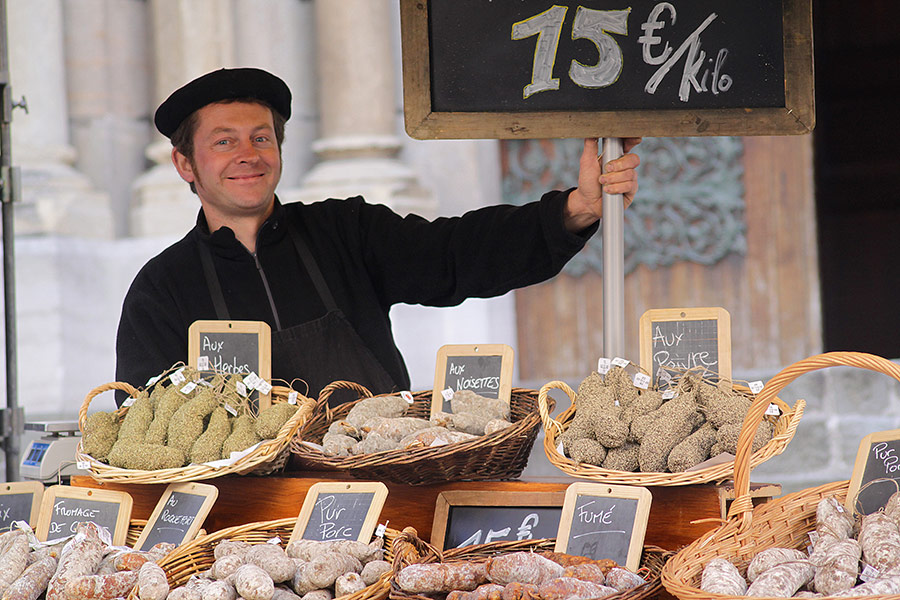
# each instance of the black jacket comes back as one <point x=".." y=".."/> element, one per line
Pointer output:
<point x="371" y="259"/>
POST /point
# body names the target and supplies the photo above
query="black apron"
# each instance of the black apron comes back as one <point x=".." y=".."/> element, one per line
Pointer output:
<point x="319" y="351"/>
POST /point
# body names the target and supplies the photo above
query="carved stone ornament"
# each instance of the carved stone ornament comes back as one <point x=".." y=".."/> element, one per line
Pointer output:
<point x="689" y="207"/>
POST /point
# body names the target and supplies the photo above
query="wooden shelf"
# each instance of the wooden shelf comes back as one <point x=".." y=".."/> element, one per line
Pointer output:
<point x="674" y="511"/>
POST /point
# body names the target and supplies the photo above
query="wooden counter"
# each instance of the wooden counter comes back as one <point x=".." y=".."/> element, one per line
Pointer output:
<point x="245" y="499"/>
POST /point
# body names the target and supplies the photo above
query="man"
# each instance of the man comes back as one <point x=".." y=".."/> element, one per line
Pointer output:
<point x="325" y="275"/>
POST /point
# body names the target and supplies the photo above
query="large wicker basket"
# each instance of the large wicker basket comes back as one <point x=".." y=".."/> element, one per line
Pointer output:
<point x="500" y="455"/>
<point x="785" y="427"/>
<point x="784" y="522"/>
<point x="271" y="455"/>
<point x="410" y="549"/>
<point x="197" y="556"/>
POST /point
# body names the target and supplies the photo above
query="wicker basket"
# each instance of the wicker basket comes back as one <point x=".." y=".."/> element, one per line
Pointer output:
<point x="785" y="427"/>
<point x="500" y="455"/>
<point x="784" y="522"/>
<point x="197" y="556"/>
<point x="410" y="550"/>
<point x="269" y="456"/>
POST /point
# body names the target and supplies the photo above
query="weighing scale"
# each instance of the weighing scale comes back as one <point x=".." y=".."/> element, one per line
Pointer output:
<point x="52" y="457"/>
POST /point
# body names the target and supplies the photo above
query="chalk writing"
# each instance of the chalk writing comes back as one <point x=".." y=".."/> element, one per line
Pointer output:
<point x="885" y="454"/>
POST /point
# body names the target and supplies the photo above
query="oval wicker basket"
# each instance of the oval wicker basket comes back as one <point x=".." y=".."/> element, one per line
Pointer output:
<point x="500" y="455"/>
<point x="783" y="522"/>
<point x="271" y="455"/>
<point x="785" y="427"/>
<point x="410" y="549"/>
<point x="196" y="556"/>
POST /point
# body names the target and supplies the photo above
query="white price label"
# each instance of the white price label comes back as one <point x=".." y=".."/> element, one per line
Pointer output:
<point x="604" y="365"/>
<point x="620" y="362"/>
<point x="274" y="541"/>
<point x="868" y="573"/>
<point x="230" y="410"/>
<point x="264" y="387"/>
<point x="203" y="363"/>
<point x="379" y="531"/>
<point x="668" y="394"/>
<point x="241" y="388"/>
<point x="773" y="411"/>
<point x="756" y="386"/>
<point x="447" y="394"/>
<point x="83" y="465"/>
<point x="641" y="380"/>
<point x="663" y="375"/>
<point x="152" y="380"/>
<point x="188" y="388"/>
<point x="129" y="401"/>
<point x="407" y="395"/>
<point x="177" y="378"/>
<point x="252" y="381"/>
<point x="292" y="397"/>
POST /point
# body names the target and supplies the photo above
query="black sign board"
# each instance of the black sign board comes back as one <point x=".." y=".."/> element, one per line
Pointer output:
<point x="466" y="518"/>
<point x="533" y="68"/>
<point x="336" y="511"/>
<point x="686" y="338"/>
<point x="63" y="507"/>
<point x="178" y="515"/>
<point x="232" y="347"/>
<point x="604" y="521"/>
<point x="876" y="473"/>
<point x="485" y="369"/>
<point x="20" y="501"/>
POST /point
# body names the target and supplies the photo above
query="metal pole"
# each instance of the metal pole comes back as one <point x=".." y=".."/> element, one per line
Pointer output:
<point x="613" y="261"/>
<point x="12" y="420"/>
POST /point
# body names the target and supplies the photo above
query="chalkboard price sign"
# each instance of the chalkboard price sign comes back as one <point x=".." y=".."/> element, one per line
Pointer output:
<point x="178" y="515"/>
<point x="20" y="501"/>
<point x="485" y="369"/>
<point x="63" y="507"/>
<point x="340" y="511"/>
<point x="232" y="347"/>
<point x="466" y="518"/>
<point x="533" y="68"/>
<point x="686" y="338"/>
<point x="604" y="521"/>
<point x="876" y="473"/>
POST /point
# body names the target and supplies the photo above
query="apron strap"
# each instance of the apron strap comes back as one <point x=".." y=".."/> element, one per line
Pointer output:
<point x="212" y="282"/>
<point x="312" y="268"/>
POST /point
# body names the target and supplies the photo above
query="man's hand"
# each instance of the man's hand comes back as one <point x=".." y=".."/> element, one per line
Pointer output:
<point x="585" y="204"/>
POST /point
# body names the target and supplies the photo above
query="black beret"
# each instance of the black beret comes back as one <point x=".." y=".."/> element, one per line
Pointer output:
<point x="224" y="84"/>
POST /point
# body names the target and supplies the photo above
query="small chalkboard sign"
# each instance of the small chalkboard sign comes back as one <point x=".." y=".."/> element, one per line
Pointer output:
<point x="876" y="473"/>
<point x="340" y="511"/>
<point x="485" y="369"/>
<point x="63" y="507"/>
<point x="178" y="515"/>
<point x="232" y="347"/>
<point x="20" y="501"/>
<point x="687" y="338"/>
<point x="604" y="521"/>
<point x="467" y="518"/>
<point x="538" y="69"/>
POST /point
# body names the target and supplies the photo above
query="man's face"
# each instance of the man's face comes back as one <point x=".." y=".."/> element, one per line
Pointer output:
<point x="236" y="164"/>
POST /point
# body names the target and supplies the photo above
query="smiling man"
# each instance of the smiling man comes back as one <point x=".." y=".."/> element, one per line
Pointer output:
<point x="325" y="275"/>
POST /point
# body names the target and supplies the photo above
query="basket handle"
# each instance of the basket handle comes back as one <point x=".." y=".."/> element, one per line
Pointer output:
<point x="116" y="385"/>
<point x="545" y="403"/>
<point x="742" y="507"/>
<point x="328" y="390"/>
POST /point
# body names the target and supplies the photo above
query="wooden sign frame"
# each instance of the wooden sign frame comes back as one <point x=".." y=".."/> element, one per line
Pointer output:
<point x="264" y="342"/>
<point x="450" y="498"/>
<point x="209" y="492"/>
<point x="378" y="489"/>
<point x="35" y="488"/>
<point x="639" y="528"/>
<point x="797" y="116"/>
<point x="504" y="351"/>
<point x="723" y="334"/>
<point x="859" y="466"/>
<point x="56" y="492"/>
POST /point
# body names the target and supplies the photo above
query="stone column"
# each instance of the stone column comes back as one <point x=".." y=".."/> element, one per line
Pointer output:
<point x="288" y="50"/>
<point x="358" y="145"/>
<point x="56" y="199"/>
<point x="108" y="70"/>
<point x="190" y="37"/>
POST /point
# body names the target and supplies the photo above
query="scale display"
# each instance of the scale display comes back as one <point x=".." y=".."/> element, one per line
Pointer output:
<point x="36" y="454"/>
